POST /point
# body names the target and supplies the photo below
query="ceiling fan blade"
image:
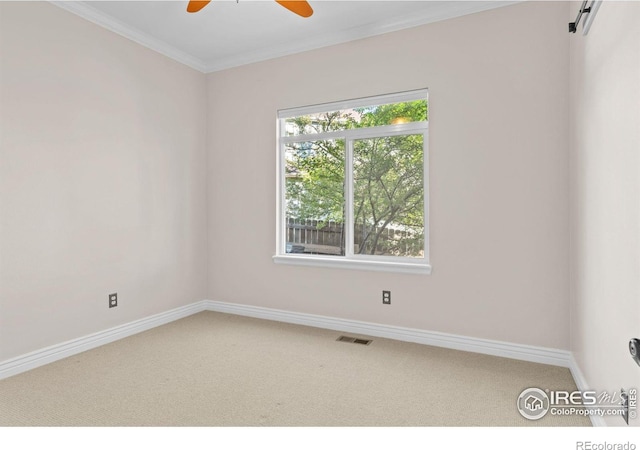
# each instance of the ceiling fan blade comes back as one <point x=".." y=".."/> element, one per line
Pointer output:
<point x="300" y="7"/>
<point x="195" y="6"/>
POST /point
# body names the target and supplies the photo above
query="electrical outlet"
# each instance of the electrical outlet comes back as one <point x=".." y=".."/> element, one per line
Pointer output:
<point x="386" y="297"/>
<point x="113" y="300"/>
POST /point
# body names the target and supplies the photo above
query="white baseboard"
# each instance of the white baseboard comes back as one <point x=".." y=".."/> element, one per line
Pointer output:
<point x="59" y="351"/>
<point x="582" y="385"/>
<point x="496" y="348"/>
<point x="541" y="355"/>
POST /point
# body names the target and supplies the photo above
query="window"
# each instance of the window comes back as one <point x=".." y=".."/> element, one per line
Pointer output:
<point x="353" y="184"/>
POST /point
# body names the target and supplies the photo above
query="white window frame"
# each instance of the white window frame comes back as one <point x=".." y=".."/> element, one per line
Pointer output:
<point x="351" y="260"/>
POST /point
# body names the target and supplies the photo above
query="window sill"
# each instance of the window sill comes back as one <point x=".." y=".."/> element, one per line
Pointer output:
<point x="342" y="263"/>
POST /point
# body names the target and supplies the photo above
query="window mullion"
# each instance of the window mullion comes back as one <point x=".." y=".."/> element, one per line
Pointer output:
<point x="348" y="182"/>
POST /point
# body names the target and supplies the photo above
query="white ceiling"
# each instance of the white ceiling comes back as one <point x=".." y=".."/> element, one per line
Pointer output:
<point x="229" y="33"/>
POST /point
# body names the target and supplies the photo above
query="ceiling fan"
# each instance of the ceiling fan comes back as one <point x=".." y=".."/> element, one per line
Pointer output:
<point x="300" y="7"/>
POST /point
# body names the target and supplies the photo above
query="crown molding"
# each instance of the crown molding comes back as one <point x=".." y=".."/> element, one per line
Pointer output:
<point x="93" y="15"/>
<point x="462" y="8"/>
<point x="355" y="33"/>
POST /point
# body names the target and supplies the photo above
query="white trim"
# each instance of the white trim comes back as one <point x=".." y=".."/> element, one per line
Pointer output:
<point x="522" y="352"/>
<point x="582" y="385"/>
<point x="281" y="236"/>
<point x="56" y="352"/>
<point x="342" y="262"/>
<point x="361" y="32"/>
<point x="360" y="133"/>
<point x="349" y="260"/>
<point x="91" y="14"/>
<point x="384" y="99"/>
<point x="349" y="220"/>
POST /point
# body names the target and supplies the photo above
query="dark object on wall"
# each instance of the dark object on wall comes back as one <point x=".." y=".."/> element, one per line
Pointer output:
<point x="590" y="12"/>
<point x="634" y="349"/>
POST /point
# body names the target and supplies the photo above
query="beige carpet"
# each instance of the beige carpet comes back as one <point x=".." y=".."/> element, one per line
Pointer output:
<point x="215" y="369"/>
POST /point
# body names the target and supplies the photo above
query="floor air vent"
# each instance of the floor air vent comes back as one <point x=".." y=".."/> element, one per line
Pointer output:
<point x="353" y="340"/>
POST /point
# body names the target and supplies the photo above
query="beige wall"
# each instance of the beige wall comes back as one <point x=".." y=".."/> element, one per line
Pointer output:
<point x="605" y="197"/>
<point x="498" y="176"/>
<point x="102" y="179"/>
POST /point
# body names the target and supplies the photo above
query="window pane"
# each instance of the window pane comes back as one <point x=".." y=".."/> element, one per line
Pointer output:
<point x="369" y="116"/>
<point x="321" y="122"/>
<point x="388" y="196"/>
<point x="314" y="197"/>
